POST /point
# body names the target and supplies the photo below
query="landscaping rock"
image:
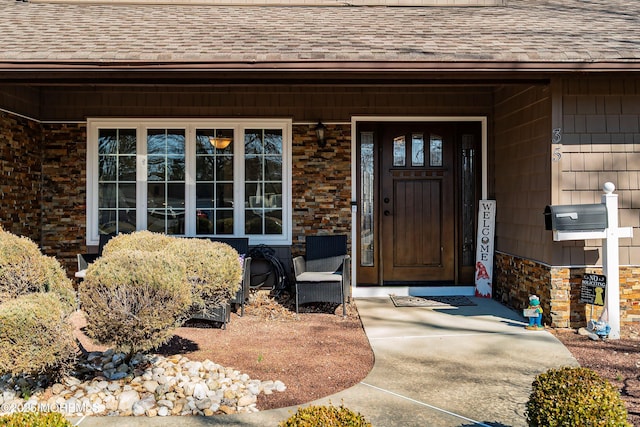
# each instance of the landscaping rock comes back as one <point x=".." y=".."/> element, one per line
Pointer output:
<point x="149" y="385"/>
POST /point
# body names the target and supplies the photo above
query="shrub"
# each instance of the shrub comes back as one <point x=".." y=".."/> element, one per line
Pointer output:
<point x="575" y="397"/>
<point x="35" y="335"/>
<point x="58" y="283"/>
<point x="34" y="419"/>
<point x="213" y="271"/>
<point x="134" y="299"/>
<point x="145" y="241"/>
<point x="24" y="269"/>
<point x="326" y="416"/>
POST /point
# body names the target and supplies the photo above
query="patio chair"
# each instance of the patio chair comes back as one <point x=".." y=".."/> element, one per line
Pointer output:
<point x="241" y="245"/>
<point x="222" y="313"/>
<point x="85" y="259"/>
<point x="324" y="274"/>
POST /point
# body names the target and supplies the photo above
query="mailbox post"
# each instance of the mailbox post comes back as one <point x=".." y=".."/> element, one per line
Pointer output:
<point x="584" y="222"/>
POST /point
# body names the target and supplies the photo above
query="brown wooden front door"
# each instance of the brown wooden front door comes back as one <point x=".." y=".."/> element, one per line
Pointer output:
<point x="417" y="203"/>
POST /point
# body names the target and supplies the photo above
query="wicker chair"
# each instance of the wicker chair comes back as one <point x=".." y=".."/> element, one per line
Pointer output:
<point x="324" y="274"/>
<point x="240" y="244"/>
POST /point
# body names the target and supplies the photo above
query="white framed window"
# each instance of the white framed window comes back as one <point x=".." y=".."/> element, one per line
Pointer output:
<point x="198" y="177"/>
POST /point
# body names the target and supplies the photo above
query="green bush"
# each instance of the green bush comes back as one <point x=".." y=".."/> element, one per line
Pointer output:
<point x="134" y="299"/>
<point x="213" y="271"/>
<point x="325" y="416"/>
<point x="24" y="269"/>
<point x="34" y="419"/>
<point x="575" y="397"/>
<point x="35" y="335"/>
<point x="145" y="241"/>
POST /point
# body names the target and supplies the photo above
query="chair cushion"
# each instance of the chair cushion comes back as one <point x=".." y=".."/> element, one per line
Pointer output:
<point x="319" y="276"/>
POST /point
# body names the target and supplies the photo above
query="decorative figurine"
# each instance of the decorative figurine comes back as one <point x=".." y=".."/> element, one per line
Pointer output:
<point x="534" y="313"/>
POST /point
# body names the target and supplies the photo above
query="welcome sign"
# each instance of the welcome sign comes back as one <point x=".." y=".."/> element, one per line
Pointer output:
<point x="484" y="248"/>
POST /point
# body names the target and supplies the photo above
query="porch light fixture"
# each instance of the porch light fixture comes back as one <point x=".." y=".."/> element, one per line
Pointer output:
<point x="220" y="142"/>
<point x="320" y="133"/>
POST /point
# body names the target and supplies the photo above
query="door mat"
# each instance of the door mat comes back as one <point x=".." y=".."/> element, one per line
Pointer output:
<point x="414" y="301"/>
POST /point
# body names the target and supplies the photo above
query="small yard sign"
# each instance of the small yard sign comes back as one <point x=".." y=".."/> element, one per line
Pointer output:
<point x="593" y="289"/>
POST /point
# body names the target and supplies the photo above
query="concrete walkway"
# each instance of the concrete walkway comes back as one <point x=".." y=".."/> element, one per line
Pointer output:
<point x="466" y="366"/>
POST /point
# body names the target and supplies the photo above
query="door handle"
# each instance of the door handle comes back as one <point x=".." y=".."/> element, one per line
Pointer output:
<point x="387" y="213"/>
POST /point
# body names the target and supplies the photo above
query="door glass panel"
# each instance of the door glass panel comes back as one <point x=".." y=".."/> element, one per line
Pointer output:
<point x="417" y="149"/>
<point x="435" y="151"/>
<point x="399" y="151"/>
<point x="366" y="199"/>
<point x="468" y="200"/>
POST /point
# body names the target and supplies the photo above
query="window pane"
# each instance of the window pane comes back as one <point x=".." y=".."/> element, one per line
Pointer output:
<point x="175" y="168"/>
<point x="166" y="163"/>
<point x="224" y="222"/>
<point x="155" y="195"/>
<point x="127" y="141"/>
<point x="224" y="168"/>
<point x="108" y="141"/>
<point x="273" y="222"/>
<point x="175" y="141"/>
<point x="203" y="145"/>
<point x="263" y="181"/>
<point x="127" y="168"/>
<point x="126" y="221"/>
<point x="253" y="141"/>
<point x="127" y="196"/>
<point x="175" y="196"/>
<point x="156" y="220"/>
<point x="273" y="141"/>
<point x="204" y="221"/>
<point x="273" y="169"/>
<point x="224" y="195"/>
<point x="156" y="141"/>
<point x="156" y="168"/>
<point x="204" y="168"/>
<point x="214" y="181"/>
<point x="107" y="168"/>
<point x="253" y="222"/>
<point x="204" y="196"/>
<point x="116" y="180"/>
<point x="107" y="195"/>
<point x="253" y="168"/>
<point x="175" y="222"/>
<point x="107" y="221"/>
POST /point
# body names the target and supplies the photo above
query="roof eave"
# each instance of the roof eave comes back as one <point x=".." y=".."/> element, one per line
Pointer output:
<point x="323" y="66"/>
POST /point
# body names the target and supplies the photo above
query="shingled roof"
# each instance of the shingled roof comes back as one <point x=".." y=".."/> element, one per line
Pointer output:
<point x="551" y="34"/>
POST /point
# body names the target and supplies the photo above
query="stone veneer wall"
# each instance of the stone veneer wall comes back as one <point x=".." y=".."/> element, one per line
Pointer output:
<point x="559" y="290"/>
<point x="321" y="180"/>
<point x="20" y="175"/>
<point x="64" y="192"/>
<point x="46" y="200"/>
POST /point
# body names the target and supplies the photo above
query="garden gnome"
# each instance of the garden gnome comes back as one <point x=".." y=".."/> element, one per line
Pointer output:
<point x="534" y="313"/>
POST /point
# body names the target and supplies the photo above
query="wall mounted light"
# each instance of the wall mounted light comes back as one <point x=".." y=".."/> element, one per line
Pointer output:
<point x="220" y="142"/>
<point x="320" y="133"/>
